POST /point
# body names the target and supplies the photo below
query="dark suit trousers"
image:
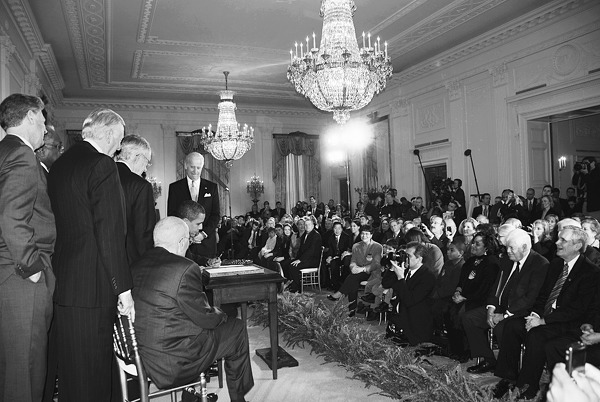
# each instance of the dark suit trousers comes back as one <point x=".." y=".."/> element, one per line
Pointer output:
<point x="339" y="270"/>
<point x="556" y="349"/>
<point x="231" y="339"/>
<point x="26" y="313"/>
<point x="476" y="328"/>
<point x="351" y="285"/>
<point x="510" y="348"/>
<point x="83" y="339"/>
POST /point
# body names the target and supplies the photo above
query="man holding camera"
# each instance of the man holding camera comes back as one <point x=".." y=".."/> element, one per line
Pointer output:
<point x="591" y="178"/>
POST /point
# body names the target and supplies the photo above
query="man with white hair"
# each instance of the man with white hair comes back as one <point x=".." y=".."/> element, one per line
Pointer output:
<point x="90" y="262"/>
<point x="180" y="334"/>
<point x="132" y="161"/>
<point x="562" y="305"/>
<point x="518" y="284"/>
<point x="204" y="192"/>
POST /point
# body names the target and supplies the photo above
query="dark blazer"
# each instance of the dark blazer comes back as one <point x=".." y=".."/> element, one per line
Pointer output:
<point x="173" y="318"/>
<point x="90" y="261"/>
<point x="476" y="279"/>
<point x="208" y="197"/>
<point x="414" y="306"/>
<point x="139" y="211"/>
<point x="309" y="253"/>
<point x="576" y="295"/>
<point x="478" y="210"/>
<point x="336" y="249"/>
<point x="525" y="290"/>
<point x="27" y="229"/>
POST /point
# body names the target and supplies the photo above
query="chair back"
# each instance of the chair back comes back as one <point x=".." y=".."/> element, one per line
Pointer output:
<point x="126" y="351"/>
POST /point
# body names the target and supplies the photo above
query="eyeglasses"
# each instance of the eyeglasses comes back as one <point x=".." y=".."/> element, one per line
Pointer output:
<point x="148" y="163"/>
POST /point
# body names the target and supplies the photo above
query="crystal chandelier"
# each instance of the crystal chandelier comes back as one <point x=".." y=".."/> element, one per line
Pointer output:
<point x="229" y="142"/>
<point x="338" y="77"/>
<point x="255" y="187"/>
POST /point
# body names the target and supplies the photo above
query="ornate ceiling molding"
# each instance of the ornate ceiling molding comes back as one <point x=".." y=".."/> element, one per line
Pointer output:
<point x="497" y="37"/>
<point x="398" y="14"/>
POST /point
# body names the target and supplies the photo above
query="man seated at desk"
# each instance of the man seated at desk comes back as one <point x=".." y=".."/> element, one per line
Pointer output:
<point x="179" y="333"/>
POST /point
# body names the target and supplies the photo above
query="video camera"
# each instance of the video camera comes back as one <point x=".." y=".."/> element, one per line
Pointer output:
<point x="400" y="256"/>
<point x="579" y="166"/>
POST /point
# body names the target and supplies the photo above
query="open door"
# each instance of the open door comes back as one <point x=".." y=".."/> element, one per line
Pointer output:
<point x="540" y="154"/>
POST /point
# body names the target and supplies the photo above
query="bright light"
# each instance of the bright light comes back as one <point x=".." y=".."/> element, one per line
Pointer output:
<point x="335" y="156"/>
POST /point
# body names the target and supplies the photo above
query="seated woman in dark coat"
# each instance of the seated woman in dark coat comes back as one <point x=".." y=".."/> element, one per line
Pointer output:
<point x="542" y="239"/>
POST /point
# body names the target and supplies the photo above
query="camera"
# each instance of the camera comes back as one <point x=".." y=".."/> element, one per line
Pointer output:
<point x="400" y="256"/>
<point x="575" y="357"/>
<point x="579" y="166"/>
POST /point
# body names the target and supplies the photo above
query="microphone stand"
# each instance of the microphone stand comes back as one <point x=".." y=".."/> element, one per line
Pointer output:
<point x="418" y="154"/>
<point x="468" y="153"/>
<point x="230" y="254"/>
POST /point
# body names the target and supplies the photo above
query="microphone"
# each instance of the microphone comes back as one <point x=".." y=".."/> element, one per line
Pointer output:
<point x="416" y="152"/>
<point x="467" y="152"/>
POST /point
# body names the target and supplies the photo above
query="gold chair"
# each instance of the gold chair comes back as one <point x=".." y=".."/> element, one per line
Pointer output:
<point x="131" y="368"/>
<point x="311" y="276"/>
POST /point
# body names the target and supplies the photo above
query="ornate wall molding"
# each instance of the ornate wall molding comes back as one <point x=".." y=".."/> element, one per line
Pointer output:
<point x="454" y="88"/>
<point x="32" y="84"/>
<point x="499" y="74"/>
<point x="401" y="107"/>
<point x="7" y="49"/>
<point x="430" y="117"/>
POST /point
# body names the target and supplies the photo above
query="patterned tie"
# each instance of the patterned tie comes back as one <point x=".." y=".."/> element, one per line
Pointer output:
<point x="485" y="211"/>
<point x="556" y="289"/>
<point x="407" y="275"/>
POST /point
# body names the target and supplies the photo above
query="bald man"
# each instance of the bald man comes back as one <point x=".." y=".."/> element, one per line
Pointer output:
<point x="51" y="150"/>
<point x="521" y="277"/>
<point x="179" y="333"/>
<point x="205" y="193"/>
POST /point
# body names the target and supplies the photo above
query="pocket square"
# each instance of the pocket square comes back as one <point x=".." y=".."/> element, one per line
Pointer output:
<point x="207" y="195"/>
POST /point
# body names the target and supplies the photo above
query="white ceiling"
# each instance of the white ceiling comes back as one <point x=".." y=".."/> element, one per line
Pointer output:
<point x="174" y="51"/>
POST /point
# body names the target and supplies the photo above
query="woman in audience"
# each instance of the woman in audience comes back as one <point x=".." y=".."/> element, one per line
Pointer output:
<point x="433" y="257"/>
<point x="355" y="231"/>
<point x="591" y="227"/>
<point x="547" y="208"/>
<point x="360" y="210"/>
<point x="382" y="233"/>
<point x="467" y="228"/>
<point x="552" y="220"/>
<point x="542" y="240"/>
<point x="295" y="238"/>
<point x="286" y="243"/>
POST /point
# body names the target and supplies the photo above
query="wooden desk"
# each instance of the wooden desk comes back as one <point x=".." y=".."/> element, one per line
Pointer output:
<point x="245" y="288"/>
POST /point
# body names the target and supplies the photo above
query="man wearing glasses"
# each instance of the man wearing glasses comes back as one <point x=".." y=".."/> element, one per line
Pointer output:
<point x="51" y="150"/>
<point x="132" y="161"/>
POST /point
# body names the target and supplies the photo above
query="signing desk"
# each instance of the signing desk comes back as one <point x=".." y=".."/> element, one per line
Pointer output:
<point x="245" y="288"/>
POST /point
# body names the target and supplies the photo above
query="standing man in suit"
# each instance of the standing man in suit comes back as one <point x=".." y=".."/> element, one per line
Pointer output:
<point x="513" y="294"/>
<point x="308" y="255"/>
<point x="561" y="306"/>
<point x="205" y="193"/>
<point x="483" y="209"/>
<point x="179" y="332"/>
<point x="27" y="236"/>
<point x="132" y="161"/>
<point x="90" y="261"/>
<point x="52" y="149"/>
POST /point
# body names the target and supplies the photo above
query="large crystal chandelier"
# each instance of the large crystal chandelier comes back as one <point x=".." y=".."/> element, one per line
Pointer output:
<point x="338" y="77"/>
<point x="230" y="141"/>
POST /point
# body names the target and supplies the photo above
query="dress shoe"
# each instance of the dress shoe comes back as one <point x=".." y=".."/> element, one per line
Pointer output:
<point x="528" y="393"/>
<point x="361" y="309"/>
<point x="351" y="314"/>
<point x="502" y="387"/>
<point x="482" y="367"/>
<point x="372" y="315"/>
<point x="382" y="308"/>
<point x="330" y="297"/>
<point x="368" y="298"/>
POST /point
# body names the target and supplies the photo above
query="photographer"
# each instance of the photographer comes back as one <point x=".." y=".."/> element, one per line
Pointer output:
<point x="591" y="178"/>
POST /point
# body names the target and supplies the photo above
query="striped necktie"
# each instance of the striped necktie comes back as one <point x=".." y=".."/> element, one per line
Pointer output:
<point x="556" y="289"/>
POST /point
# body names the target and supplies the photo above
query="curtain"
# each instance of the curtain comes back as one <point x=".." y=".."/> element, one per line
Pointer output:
<point x="214" y="169"/>
<point x="298" y="177"/>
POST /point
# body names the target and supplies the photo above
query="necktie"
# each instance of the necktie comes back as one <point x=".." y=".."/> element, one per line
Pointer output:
<point x="530" y="205"/>
<point x="556" y="289"/>
<point x="505" y="294"/>
<point x="408" y="275"/>
<point x="194" y="191"/>
<point x="337" y="242"/>
<point x="485" y="211"/>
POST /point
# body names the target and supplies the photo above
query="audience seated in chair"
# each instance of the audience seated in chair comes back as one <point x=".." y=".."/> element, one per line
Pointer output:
<point x="308" y="256"/>
<point x="338" y="255"/>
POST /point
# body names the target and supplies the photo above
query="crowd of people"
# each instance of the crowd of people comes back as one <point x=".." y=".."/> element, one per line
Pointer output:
<point x="79" y="242"/>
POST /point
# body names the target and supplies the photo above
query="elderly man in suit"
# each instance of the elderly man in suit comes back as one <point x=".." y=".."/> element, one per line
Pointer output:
<point x="562" y="305"/>
<point x="179" y="333"/>
<point x="132" y="161"/>
<point x="308" y="255"/>
<point x="27" y="236"/>
<point x="513" y="294"/>
<point x="205" y="193"/>
<point x="90" y="261"/>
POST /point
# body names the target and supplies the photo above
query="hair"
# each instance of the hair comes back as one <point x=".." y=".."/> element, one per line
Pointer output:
<point x="514" y="222"/>
<point x="484" y="194"/>
<point x="366" y="228"/>
<point x="595" y="225"/>
<point x="190" y="156"/>
<point x="415" y="234"/>
<point x="271" y="230"/>
<point x="420" y="249"/>
<point x="554" y="216"/>
<point x="489" y="242"/>
<point x="546" y="235"/>
<point x="190" y="210"/>
<point x="590" y="159"/>
<point x="579" y="236"/>
<point x="464" y="222"/>
<point x="550" y="200"/>
<point x="548" y="186"/>
<point x="521" y="237"/>
<point x="14" y="109"/>
<point x="338" y="223"/>
<point x="459" y="182"/>
<point x="458" y="244"/>
<point x="487" y="228"/>
<point x="169" y="231"/>
<point x="131" y="146"/>
<point x="98" y="122"/>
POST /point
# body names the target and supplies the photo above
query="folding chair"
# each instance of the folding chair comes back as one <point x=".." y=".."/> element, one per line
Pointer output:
<point x="311" y="276"/>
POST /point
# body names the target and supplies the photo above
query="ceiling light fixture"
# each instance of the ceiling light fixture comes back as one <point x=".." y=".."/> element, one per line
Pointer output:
<point x="338" y="77"/>
<point x="229" y="142"/>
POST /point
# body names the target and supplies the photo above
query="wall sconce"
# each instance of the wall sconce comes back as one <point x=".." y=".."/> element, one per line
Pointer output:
<point x="562" y="163"/>
<point x="255" y="187"/>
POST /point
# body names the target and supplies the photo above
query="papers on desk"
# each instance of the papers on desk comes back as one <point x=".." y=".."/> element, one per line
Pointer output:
<point x="231" y="270"/>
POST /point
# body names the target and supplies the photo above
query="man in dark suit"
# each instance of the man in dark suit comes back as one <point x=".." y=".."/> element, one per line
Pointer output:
<point x="308" y="255"/>
<point x="483" y="209"/>
<point x="278" y="212"/>
<point x="513" y="294"/>
<point x="179" y="333"/>
<point x="52" y="149"/>
<point x="132" y="161"/>
<point x="90" y="261"/>
<point x="205" y="193"/>
<point x="530" y="205"/>
<point x="27" y="236"/>
<point x="561" y="306"/>
<point x="413" y="286"/>
<point x="339" y="254"/>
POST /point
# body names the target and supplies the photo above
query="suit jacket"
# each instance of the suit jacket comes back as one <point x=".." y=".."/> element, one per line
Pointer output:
<point x="525" y="290"/>
<point x="139" y="211"/>
<point x="309" y="252"/>
<point x="27" y="228"/>
<point x="90" y="261"/>
<point x="478" y="210"/>
<point x="414" y="305"/>
<point x="476" y="279"/>
<point x="208" y="197"/>
<point x="576" y="295"/>
<point x="173" y="318"/>
<point x="336" y="249"/>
